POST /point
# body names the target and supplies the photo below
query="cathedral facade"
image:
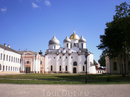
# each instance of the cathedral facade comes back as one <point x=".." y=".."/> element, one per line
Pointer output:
<point x="70" y="58"/>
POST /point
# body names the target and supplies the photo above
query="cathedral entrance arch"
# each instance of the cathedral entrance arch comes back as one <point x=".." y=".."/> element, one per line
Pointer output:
<point x="74" y="70"/>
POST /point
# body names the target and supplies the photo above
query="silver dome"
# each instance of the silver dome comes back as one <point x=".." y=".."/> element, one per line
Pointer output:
<point x="67" y="39"/>
<point x="54" y="40"/>
<point x="82" y="39"/>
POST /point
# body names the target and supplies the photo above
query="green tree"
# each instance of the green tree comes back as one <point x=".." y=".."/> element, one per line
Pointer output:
<point x="116" y="41"/>
<point x="101" y="61"/>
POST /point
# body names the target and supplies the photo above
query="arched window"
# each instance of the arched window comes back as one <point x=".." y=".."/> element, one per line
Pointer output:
<point x="0" y="66"/>
<point x="51" y="68"/>
<point x="83" y="68"/>
<point x="67" y="44"/>
<point x="74" y="44"/>
<point x="74" y="63"/>
<point x="115" y="66"/>
<point x="60" y="68"/>
<point x="66" y="68"/>
<point x="82" y="45"/>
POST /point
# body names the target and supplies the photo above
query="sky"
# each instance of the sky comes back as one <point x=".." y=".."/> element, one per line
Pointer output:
<point x="30" y="24"/>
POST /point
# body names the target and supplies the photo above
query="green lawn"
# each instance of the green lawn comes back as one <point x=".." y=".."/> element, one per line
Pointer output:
<point x="64" y="79"/>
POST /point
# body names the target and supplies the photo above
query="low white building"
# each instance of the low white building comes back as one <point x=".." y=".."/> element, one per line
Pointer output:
<point x="9" y="60"/>
<point x="70" y="58"/>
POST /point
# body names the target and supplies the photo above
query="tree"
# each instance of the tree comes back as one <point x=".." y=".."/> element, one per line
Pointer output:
<point x="116" y="41"/>
<point x="101" y="61"/>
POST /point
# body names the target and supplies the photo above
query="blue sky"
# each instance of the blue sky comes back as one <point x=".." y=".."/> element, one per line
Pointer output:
<point x="30" y="24"/>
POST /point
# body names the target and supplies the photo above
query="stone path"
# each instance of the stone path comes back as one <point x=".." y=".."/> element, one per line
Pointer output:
<point x="26" y="90"/>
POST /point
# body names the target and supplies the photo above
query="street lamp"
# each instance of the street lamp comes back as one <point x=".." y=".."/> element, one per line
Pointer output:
<point x="86" y="55"/>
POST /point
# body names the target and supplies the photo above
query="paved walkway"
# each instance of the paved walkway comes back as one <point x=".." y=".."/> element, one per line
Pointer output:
<point x="23" y="90"/>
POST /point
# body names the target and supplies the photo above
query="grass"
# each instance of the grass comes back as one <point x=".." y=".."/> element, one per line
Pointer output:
<point x="64" y="79"/>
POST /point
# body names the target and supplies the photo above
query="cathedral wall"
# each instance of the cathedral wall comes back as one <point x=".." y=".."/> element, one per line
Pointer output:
<point x="84" y="45"/>
<point x="75" y="41"/>
<point x="54" y="46"/>
<point x="65" y="45"/>
<point x="50" y="61"/>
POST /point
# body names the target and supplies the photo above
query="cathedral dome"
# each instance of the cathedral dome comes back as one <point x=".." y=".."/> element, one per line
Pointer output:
<point x="82" y="39"/>
<point x="67" y="39"/>
<point x="74" y="36"/>
<point x="54" y="40"/>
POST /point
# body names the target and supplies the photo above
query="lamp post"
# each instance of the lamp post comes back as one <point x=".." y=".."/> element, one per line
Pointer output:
<point x="86" y="55"/>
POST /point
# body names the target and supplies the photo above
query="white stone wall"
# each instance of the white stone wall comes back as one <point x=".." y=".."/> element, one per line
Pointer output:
<point x="84" y="45"/>
<point x="15" y="65"/>
<point x="75" y="41"/>
<point x="69" y="45"/>
<point x="54" y="46"/>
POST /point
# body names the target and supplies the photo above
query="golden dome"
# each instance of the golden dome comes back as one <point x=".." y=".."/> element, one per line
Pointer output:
<point x="74" y="36"/>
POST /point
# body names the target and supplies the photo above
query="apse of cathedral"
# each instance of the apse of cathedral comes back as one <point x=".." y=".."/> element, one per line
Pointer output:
<point x="70" y="58"/>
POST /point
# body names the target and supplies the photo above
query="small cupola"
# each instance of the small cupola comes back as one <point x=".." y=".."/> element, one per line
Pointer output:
<point x="82" y="39"/>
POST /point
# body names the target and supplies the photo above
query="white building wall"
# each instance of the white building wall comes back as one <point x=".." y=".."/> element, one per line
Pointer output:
<point x="69" y="45"/>
<point x="84" y="45"/>
<point x="15" y="65"/>
<point x="54" y="46"/>
<point x="74" y="41"/>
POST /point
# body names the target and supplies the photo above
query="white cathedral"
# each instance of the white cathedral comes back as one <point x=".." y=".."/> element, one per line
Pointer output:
<point x="70" y="58"/>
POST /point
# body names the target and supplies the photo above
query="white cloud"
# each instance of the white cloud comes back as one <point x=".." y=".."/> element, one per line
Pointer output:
<point x="4" y="9"/>
<point x="34" y="5"/>
<point x="47" y="3"/>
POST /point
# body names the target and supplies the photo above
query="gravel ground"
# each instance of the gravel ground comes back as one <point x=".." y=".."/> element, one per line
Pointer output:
<point x="111" y="90"/>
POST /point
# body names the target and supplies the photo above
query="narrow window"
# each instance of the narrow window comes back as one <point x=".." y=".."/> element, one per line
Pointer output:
<point x="0" y="57"/>
<point x="18" y="60"/>
<point x="6" y="68"/>
<point x="51" y="68"/>
<point x="54" y="57"/>
<point x="66" y="68"/>
<point x="115" y="66"/>
<point x="66" y="57"/>
<point x="14" y="59"/>
<point x="82" y="45"/>
<point x="60" y="57"/>
<point x="0" y="66"/>
<point x="60" y="68"/>
<point x="3" y="67"/>
<point x="71" y="57"/>
<point x="67" y="44"/>
<point x="83" y="68"/>
<point x="11" y="68"/>
<point x="4" y="57"/>
<point x="9" y="58"/>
